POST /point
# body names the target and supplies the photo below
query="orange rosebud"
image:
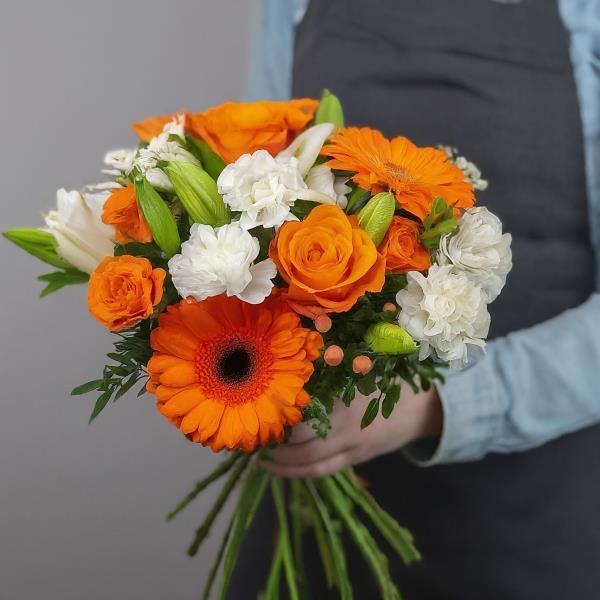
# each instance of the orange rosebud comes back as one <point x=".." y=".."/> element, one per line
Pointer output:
<point x="123" y="290"/>
<point x="323" y="323"/>
<point x="150" y="127"/>
<point x="362" y="364"/>
<point x="390" y="307"/>
<point x="402" y="248"/>
<point x="235" y="128"/>
<point x="328" y="261"/>
<point x="333" y="355"/>
<point x="122" y="211"/>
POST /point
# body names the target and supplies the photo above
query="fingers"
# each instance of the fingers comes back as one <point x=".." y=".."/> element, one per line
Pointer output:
<point x="300" y="434"/>
<point x="331" y="464"/>
<point x="312" y="450"/>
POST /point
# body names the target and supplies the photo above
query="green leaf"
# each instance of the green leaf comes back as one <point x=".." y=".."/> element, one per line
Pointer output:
<point x="370" y="413"/>
<point x="389" y="338"/>
<point x="100" y="404"/>
<point x="213" y="164"/>
<point x="391" y="399"/>
<point x="87" y="387"/>
<point x="127" y="385"/>
<point x="198" y="193"/>
<point x="329" y="110"/>
<point x="38" y="243"/>
<point x="60" y="279"/>
<point x="159" y="218"/>
<point x="358" y="196"/>
<point x="315" y="414"/>
<point x="366" y="384"/>
<point x="375" y="217"/>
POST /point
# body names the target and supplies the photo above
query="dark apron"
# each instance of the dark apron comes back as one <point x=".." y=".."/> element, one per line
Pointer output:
<point x="493" y="79"/>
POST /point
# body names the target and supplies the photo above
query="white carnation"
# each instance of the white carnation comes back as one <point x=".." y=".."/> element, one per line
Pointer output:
<point x="480" y="250"/>
<point x="261" y="187"/>
<point x="218" y="261"/>
<point x="444" y="311"/>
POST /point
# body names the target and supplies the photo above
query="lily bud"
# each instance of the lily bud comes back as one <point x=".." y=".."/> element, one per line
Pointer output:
<point x="389" y="338"/>
<point x="198" y="193"/>
<point x="330" y="110"/>
<point x="375" y="217"/>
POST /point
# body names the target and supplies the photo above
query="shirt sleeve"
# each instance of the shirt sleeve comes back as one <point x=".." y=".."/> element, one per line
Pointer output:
<point x="532" y="386"/>
<point x="270" y="73"/>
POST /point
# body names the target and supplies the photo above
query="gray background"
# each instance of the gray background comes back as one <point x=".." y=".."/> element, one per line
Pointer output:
<point x="82" y="507"/>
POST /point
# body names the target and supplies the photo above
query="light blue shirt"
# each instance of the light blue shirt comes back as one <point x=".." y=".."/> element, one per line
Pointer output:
<point x="535" y="384"/>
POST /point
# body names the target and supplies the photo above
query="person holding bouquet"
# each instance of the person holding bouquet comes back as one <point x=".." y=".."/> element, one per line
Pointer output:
<point x="494" y="470"/>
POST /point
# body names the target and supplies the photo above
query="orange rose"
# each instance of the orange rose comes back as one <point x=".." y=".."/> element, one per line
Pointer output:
<point x="122" y="211"/>
<point x="402" y="248"/>
<point x="124" y="290"/>
<point x="327" y="260"/>
<point x="152" y="126"/>
<point x="235" y="128"/>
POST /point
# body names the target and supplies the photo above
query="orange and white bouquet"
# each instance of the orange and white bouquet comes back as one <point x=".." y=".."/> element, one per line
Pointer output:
<point x="260" y="262"/>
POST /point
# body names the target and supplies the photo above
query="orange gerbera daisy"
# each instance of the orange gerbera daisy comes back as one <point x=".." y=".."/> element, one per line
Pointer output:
<point x="231" y="374"/>
<point x="415" y="175"/>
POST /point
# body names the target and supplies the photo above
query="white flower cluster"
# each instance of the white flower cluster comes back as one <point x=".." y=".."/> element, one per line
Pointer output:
<point x="261" y="190"/>
<point x="470" y="169"/>
<point x="446" y="311"/>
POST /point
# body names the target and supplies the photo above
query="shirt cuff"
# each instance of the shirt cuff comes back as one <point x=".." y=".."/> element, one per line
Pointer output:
<point x="472" y="416"/>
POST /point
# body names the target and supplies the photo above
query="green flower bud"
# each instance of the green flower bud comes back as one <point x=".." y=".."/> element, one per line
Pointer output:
<point x="330" y="110"/>
<point x="375" y="217"/>
<point x="38" y="243"/>
<point x="389" y="338"/>
<point x="198" y="193"/>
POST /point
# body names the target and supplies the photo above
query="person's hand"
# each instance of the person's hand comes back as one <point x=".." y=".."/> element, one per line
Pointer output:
<point x="415" y="416"/>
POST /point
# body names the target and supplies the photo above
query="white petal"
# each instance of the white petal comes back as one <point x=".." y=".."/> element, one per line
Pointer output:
<point x="307" y="145"/>
<point x="261" y="285"/>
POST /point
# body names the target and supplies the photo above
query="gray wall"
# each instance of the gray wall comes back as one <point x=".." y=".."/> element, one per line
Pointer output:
<point x="82" y="507"/>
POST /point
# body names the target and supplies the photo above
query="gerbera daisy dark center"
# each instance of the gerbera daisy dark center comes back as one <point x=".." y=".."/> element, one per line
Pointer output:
<point x="235" y="364"/>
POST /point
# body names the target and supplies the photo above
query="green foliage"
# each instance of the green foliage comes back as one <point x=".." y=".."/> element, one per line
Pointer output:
<point x="439" y="221"/>
<point x="59" y="279"/>
<point x="390" y="338"/>
<point x="212" y="163"/>
<point x="132" y="352"/>
<point x="38" y="243"/>
<point x="159" y="217"/>
<point x="315" y="414"/>
<point x="357" y="198"/>
<point x="375" y="217"/>
<point x="329" y="110"/>
<point x="198" y="193"/>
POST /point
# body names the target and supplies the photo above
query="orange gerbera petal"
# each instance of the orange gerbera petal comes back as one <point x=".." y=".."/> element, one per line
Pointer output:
<point x="415" y="175"/>
<point x="240" y="370"/>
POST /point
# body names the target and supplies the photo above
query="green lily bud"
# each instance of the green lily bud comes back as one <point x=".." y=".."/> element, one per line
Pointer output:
<point x="330" y="110"/>
<point x="375" y="217"/>
<point x="389" y="338"/>
<point x="159" y="218"/>
<point x="198" y="193"/>
<point x="440" y="221"/>
<point x="41" y="244"/>
<point x="212" y="163"/>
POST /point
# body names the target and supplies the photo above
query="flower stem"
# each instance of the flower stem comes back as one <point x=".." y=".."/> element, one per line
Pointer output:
<point x="204" y="529"/>
<point x="272" y="588"/>
<point x="288" y="560"/>
<point x="204" y="483"/>
<point x="217" y="563"/>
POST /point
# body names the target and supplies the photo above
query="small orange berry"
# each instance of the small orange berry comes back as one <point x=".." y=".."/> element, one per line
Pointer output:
<point x="323" y="323"/>
<point x="333" y="355"/>
<point x="390" y="307"/>
<point x="362" y="364"/>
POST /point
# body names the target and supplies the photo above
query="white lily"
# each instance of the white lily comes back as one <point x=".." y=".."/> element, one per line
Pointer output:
<point x="83" y="239"/>
<point x="307" y="145"/>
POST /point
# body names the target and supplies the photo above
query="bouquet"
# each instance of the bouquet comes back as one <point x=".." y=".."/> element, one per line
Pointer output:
<point x="258" y="263"/>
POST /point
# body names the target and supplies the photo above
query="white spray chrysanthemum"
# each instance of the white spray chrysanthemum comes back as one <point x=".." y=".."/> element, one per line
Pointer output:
<point x="480" y="250"/>
<point x="220" y="261"/>
<point x="445" y="312"/>
<point x="120" y="162"/>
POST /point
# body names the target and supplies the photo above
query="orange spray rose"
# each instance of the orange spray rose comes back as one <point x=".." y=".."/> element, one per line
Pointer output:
<point x="327" y="260"/>
<point x="124" y="290"/>
<point x="402" y="249"/>
<point x="232" y="129"/>
<point x="122" y="211"/>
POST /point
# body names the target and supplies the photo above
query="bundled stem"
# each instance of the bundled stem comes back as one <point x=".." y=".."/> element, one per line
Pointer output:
<point x="221" y="470"/>
<point x="204" y="529"/>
